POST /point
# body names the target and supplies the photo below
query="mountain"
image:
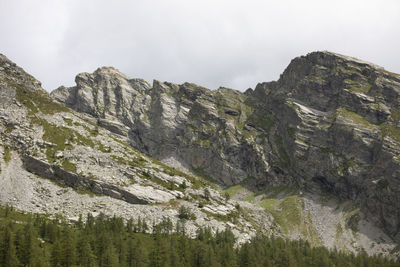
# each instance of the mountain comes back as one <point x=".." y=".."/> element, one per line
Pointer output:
<point x="313" y="155"/>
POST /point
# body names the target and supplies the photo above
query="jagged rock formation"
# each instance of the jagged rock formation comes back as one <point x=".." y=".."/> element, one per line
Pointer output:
<point x="188" y="124"/>
<point x="326" y="129"/>
<point x="87" y="169"/>
<point x="329" y="123"/>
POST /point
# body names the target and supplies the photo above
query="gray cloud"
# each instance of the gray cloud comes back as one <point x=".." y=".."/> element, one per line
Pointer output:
<point x="215" y="43"/>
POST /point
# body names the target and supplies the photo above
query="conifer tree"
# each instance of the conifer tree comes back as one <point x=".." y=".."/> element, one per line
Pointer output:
<point x="141" y="255"/>
<point x="68" y="253"/>
<point x="27" y="252"/>
<point x="56" y="254"/>
<point x="85" y="256"/>
<point x="110" y="257"/>
<point x="7" y="249"/>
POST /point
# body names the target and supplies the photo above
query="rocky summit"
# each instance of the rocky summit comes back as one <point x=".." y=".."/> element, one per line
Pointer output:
<point x="314" y="155"/>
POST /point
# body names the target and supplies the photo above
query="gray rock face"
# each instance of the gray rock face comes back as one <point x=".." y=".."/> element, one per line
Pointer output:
<point x="329" y="123"/>
<point x="341" y="132"/>
<point x="203" y="130"/>
<point x="78" y="182"/>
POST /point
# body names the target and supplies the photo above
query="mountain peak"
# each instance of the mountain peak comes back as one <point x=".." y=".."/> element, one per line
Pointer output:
<point x="108" y="70"/>
<point x="14" y="75"/>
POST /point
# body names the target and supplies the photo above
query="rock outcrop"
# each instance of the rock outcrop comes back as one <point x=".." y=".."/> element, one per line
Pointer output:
<point x="329" y="124"/>
<point x="78" y="182"/>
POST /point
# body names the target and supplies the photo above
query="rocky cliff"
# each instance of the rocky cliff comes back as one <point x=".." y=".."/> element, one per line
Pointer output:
<point x="60" y="162"/>
<point x="313" y="155"/>
<point x="329" y="124"/>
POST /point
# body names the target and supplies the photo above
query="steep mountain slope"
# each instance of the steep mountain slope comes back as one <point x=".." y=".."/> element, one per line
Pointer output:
<point x="87" y="169"/>
<point x="293" y="168"/>
<point x="339" y="123"/>
<point x="330" y="124"/>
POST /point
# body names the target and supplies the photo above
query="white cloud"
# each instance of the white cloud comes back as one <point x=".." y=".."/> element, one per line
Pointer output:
<point x="213" y="43"/>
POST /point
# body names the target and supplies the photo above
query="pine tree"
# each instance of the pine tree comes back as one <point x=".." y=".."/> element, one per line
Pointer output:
<point x="68" y="253"/>
<point x="56" y="254"/>
<point x="175" y="260"/>
<point x="130" y="226"/>
<point x="8" y="251"/>
<point x="206" y="194"/>
<point x="27" y="249"/>
<point x="121" y="248"/>
<point x="89" y="225"/>
<point x="199" y="254"/>
<point x="110" y="257"/>
<point x="79" y="224"/>
<point x="155" y="257"/>
<point x="85" y="256"/>
<point x="141" y="255"/>
<point x="130" y="253"/>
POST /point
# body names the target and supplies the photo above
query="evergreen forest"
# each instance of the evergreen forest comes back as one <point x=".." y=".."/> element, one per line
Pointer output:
<point x="36" y="240"/>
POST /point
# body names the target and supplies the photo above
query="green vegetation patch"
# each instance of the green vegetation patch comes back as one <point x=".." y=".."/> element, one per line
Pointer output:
<point x="230" y="217"/>
<point x="339" y="231"/>
<point x="352" y="218"/>
<point x="346" y="70"/>
<point x="93" y="132"/>
<point x="391" y="131"/>
<point x="269" y="204"/>
<point x="346" y="164"/>
<point x="205" y="143"/>
<point x="355" y="118"/>
<point x="233" y="190"/>
<point x="292" y="208"/>
<point x="9" y="129"/>
<point x="289" y="214"/>
<point x="358" y="87"/>
<point x="7" y="154"/>
<point x="68" y="121"/>
<point x="146" y="175"/>
<point x="191" y="127"/>
<point x="134" y="162"/>
<point x="287" y="211"/>
<point x="68" y="166"/>
<point x="62" y="138"/>
<point x="275" y="191"/>
<point x="251" y="198"/>
<point x="185" y="213"/>
<point x="314" y="78"/>
<point x="103" y="148"/>
<point x="120" y="160"/>
<point x="396" y="115"/>
<point x="38" y="101"/>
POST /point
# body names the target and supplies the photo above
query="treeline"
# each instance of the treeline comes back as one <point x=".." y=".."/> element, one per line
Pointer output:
<point x="33" y="240"/>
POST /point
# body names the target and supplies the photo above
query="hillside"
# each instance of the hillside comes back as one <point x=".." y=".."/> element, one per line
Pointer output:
<point x="313" y="155"/>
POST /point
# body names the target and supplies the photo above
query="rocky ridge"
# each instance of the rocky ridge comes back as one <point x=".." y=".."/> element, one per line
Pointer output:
<point x="330" y="123"/>
<point x="90" y="158"/>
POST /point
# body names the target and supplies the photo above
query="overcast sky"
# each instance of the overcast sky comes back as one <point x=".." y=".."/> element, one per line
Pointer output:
<point x="213" y="43"/>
